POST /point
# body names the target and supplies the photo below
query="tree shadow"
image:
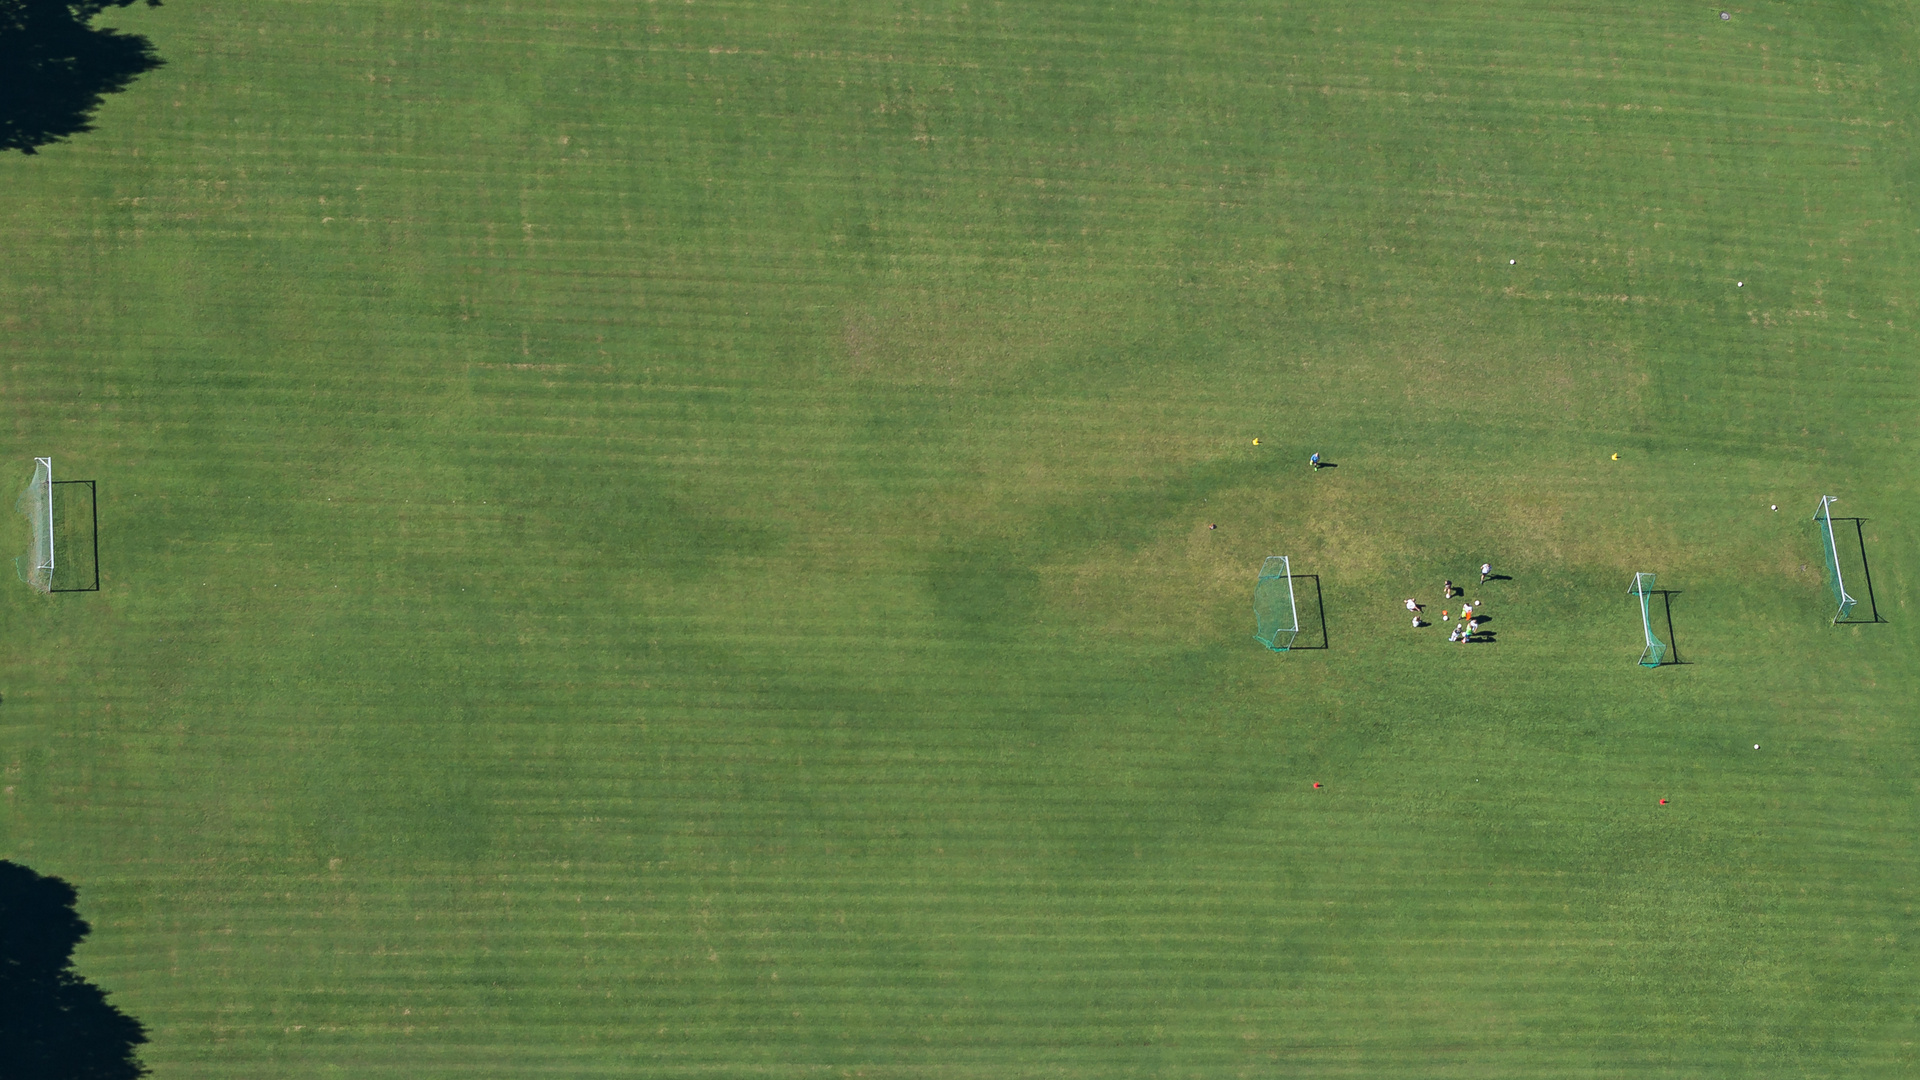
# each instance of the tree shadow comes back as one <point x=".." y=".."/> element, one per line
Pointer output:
<point x="55" y="67"/>
<point x="53" y="1023"/>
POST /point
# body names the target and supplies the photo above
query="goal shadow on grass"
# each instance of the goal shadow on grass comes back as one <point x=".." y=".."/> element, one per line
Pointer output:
<point x="76" y="536"/>
<point x="1673" y="642"/>
<point x="1313" y="613"/>
<point x="1866" y="574"/>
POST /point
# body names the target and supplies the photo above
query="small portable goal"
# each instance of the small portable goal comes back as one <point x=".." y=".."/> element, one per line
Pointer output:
<point x="1276" y="617"/>
<point x="1655" y="652"/>
<point x="36" y="502"/>
<point x="1831" y="550"/>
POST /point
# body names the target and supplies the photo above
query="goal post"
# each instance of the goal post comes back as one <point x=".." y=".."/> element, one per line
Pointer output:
<point x="1831" y="549"/>
<point x="1655" y="652"/>
<point x="36" y="502"/>
<point x="1276" y="616"/>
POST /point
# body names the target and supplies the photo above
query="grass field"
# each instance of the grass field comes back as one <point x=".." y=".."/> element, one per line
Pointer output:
<point x="671" y="539"/>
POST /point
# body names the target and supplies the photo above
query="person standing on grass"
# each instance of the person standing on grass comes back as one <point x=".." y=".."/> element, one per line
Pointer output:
<point x="1314" y="461"/>
<point x="1446" y="590"/>
<point x="1413" y="605"/>
<point x="1486" y="571"/>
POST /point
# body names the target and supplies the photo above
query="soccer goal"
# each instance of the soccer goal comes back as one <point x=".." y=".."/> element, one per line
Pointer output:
<point x="1655" y="653"/>
<point x="1824" y="515"/>
<point x="36" y="502"/>
<point x="1275" y="614"/>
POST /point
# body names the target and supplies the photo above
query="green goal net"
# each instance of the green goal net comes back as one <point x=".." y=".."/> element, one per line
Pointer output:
<point x="1275" y="615"/>
<point x="1831" y="550"/>
<point x="36" y="502"/>
<point x="1655" y="652"/>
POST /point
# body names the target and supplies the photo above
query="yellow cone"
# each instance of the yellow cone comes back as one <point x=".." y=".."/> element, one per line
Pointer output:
<point x="1256" y="442"/>
<point x="1616" y="457"/>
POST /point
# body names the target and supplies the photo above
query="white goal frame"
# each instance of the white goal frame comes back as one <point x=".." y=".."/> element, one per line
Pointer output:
<point x="48" y="462"/>
<point x="1655" y="653"/>
<point x="1281" y="638"/>
<point x="1840" y="595"/>
<point x="39" y="513"/>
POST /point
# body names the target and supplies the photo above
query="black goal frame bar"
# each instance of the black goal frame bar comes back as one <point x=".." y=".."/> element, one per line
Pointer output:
<point x="93" y="501"/>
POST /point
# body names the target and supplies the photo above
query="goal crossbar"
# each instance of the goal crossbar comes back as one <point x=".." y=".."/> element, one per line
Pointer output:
<point x="1655" y="652"/>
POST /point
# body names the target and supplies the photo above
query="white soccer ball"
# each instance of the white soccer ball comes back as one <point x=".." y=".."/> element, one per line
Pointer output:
<point x="1512" y="262"/>
<point x="1756" y="746"/>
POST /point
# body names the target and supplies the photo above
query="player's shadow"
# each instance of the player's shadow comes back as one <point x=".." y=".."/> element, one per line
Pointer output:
<point x="56" y="67"/>
<point x="53" y="1023"/>
<point x="1328" y="465"/>
<point x="1499" y="577"/>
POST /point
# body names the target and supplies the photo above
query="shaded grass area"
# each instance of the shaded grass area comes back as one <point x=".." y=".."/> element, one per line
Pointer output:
<point x="675" y="542"/>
